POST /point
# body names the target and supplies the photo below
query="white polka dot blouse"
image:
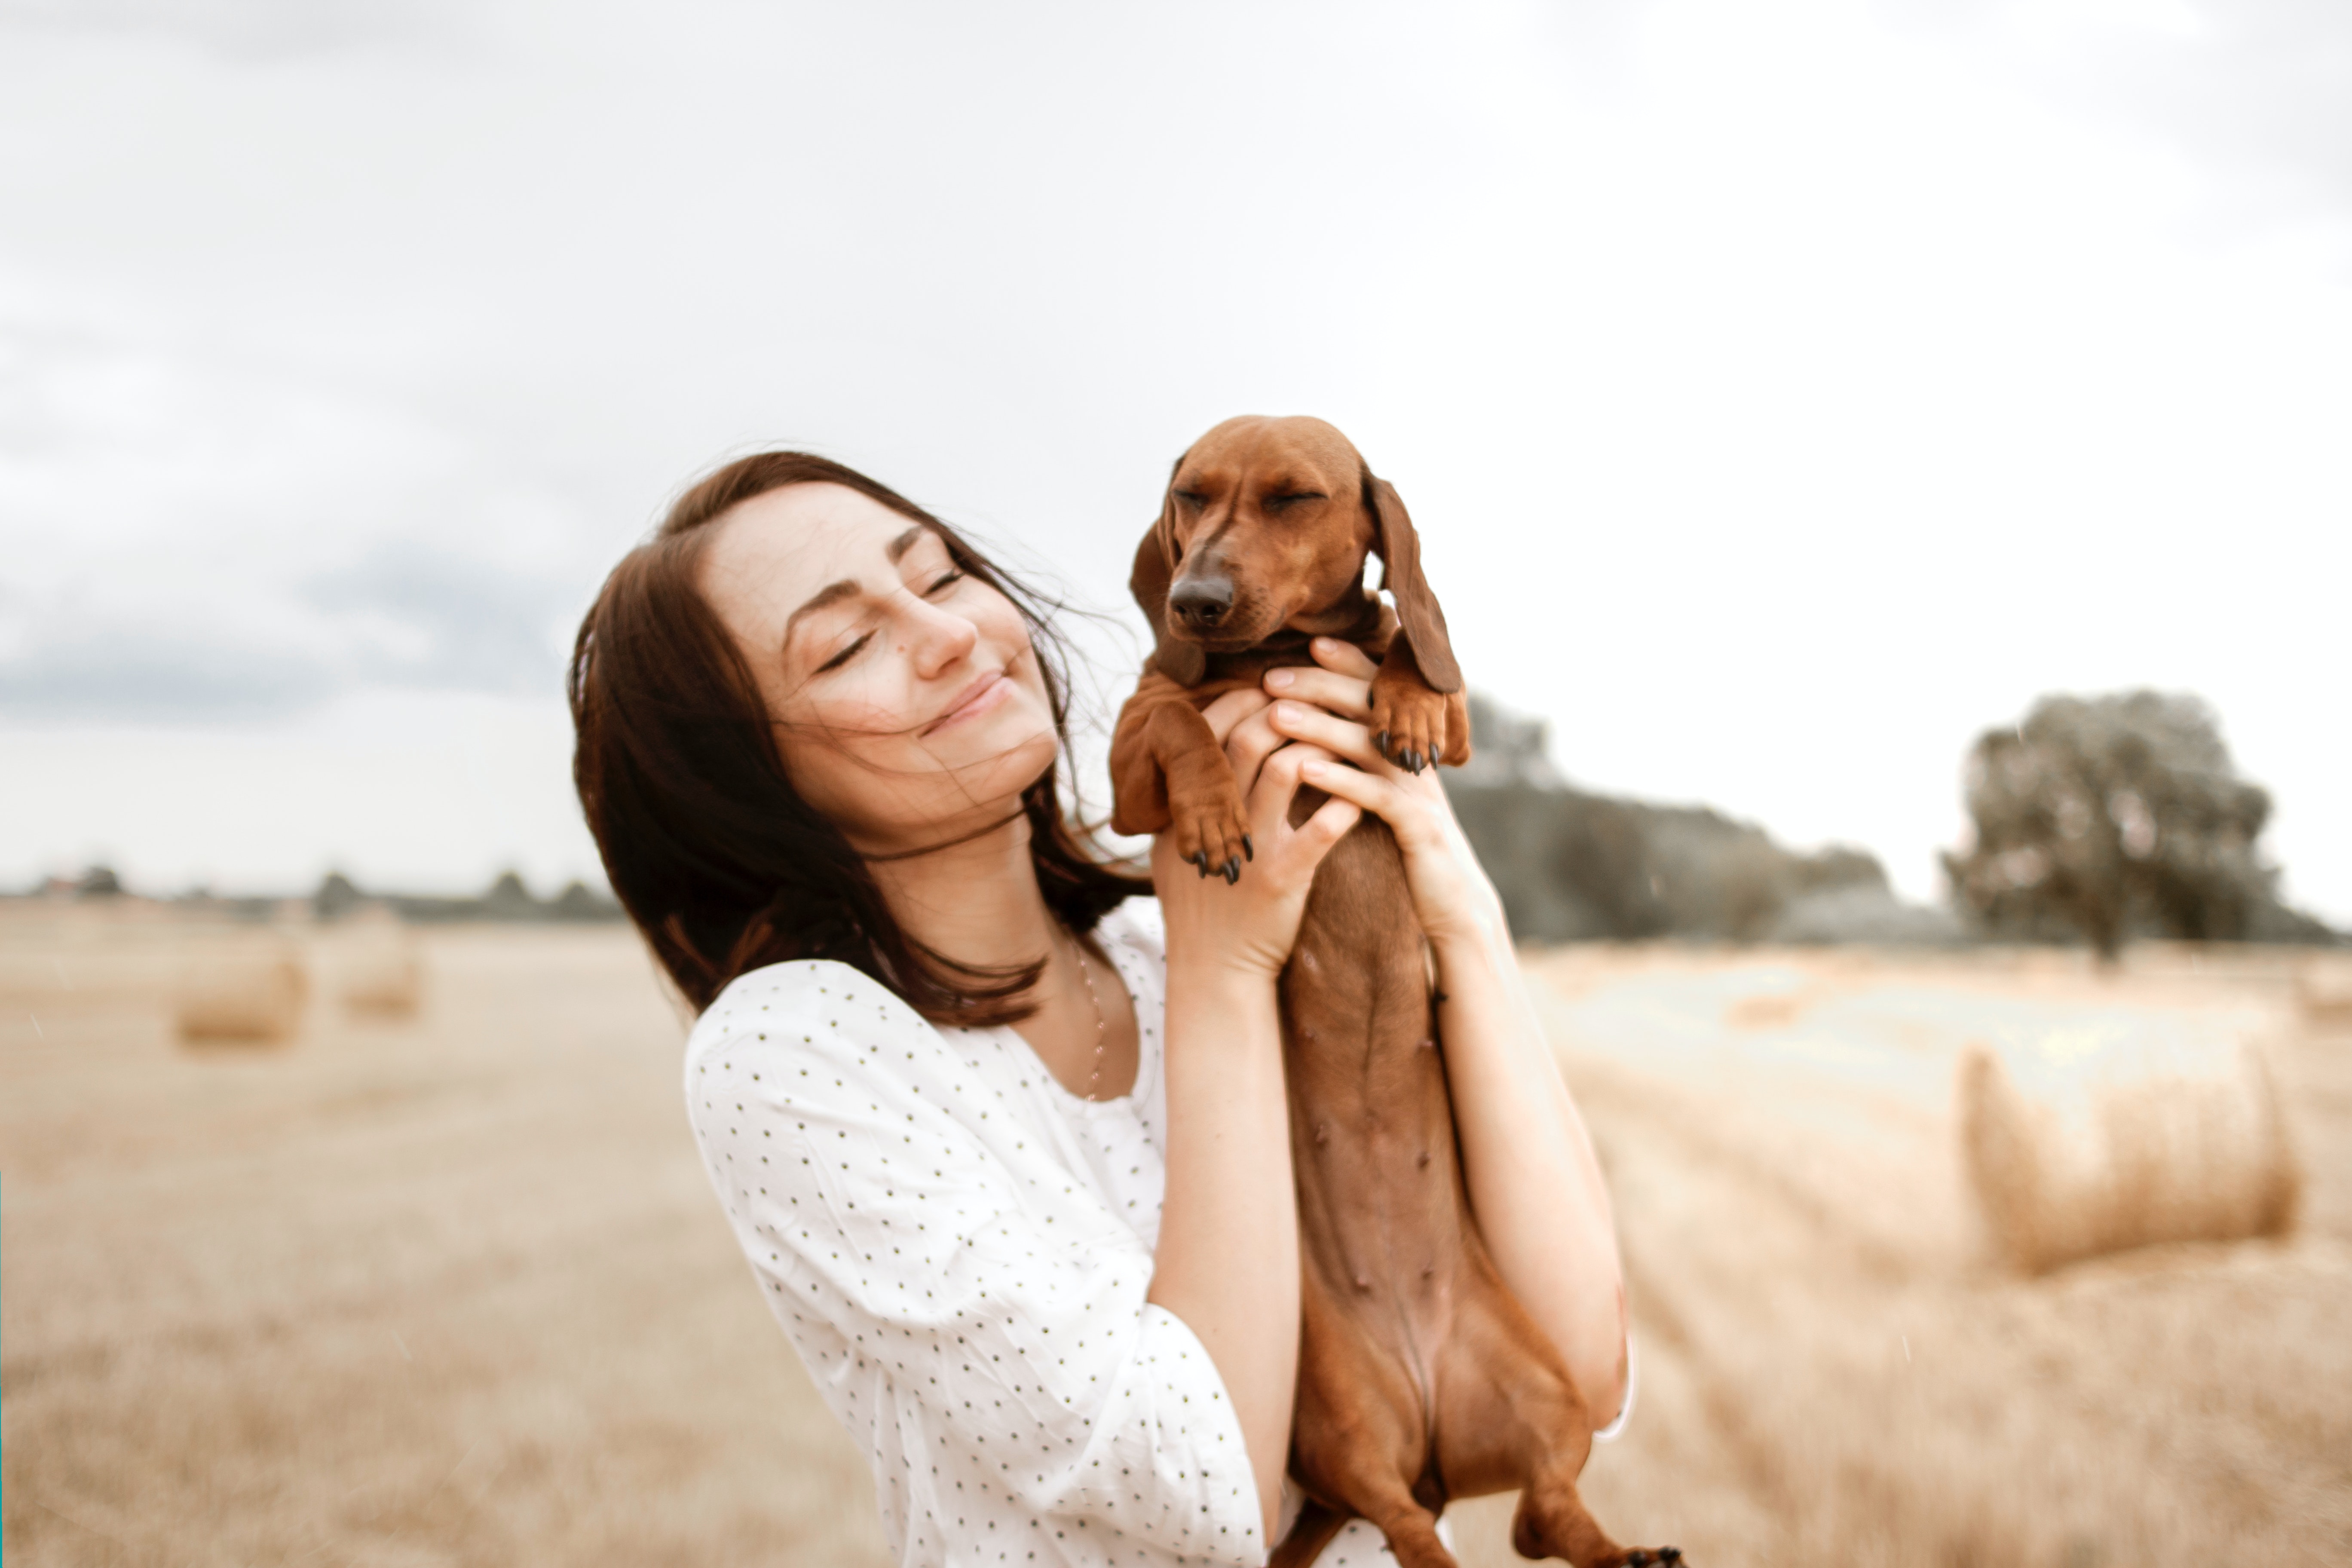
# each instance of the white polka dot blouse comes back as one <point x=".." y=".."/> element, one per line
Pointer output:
<point x="959" y="1247"/>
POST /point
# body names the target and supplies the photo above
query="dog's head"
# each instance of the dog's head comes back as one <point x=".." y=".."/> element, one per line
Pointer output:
<point x="1264" y="526"/>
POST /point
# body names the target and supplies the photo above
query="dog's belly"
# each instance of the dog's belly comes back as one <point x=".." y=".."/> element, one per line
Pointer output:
<point x="1384" y="1217"/>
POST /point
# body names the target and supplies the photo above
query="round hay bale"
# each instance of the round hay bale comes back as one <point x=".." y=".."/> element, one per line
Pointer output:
<point x="2086" y="1142"/>
<point x="380" y="972"/>
<point x="241" y="988"/>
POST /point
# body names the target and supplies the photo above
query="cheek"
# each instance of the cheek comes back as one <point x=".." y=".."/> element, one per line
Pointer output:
<point x="834" y="750"/>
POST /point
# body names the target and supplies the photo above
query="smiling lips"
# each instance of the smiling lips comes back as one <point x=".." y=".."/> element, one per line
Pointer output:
<point x="980" y="695"/>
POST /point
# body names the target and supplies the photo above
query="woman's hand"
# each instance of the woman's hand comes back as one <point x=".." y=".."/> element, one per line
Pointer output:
<point x="1251" y="924"/>
<point x="1314" y="708"/>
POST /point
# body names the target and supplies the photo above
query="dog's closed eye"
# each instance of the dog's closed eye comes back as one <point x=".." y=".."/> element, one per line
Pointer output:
<point x="1275" y="503"/>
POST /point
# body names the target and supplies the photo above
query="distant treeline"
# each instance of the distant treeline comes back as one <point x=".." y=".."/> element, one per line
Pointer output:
<point x="2099" y="819"/>
<point x="507" y="898"/>
<point x="2102" y="819"/>
<point x="1575" y="866"/>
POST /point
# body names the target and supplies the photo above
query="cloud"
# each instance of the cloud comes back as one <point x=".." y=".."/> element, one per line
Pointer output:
<point x="427" y="618"/>
<point x="123" y="673"/>
<point x="193" y="541"/>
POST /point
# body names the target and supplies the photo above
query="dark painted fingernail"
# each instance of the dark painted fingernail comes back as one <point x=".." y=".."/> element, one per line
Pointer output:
<point x="1249" y="851"/>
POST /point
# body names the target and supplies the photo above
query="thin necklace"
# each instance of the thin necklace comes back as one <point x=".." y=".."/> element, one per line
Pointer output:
<point x="1102" y="1028"/>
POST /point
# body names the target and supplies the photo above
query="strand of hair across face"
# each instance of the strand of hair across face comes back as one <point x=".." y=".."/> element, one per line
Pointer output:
<point x="980" y="832"/>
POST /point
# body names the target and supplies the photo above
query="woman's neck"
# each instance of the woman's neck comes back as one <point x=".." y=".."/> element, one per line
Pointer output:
<point x="976" y="902"/>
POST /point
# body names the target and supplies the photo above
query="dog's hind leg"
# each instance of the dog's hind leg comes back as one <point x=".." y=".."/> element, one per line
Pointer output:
<point x="1552" y="1521"/>
<point x="1410" y="1529"/>
<point x="1310" y="1532"/>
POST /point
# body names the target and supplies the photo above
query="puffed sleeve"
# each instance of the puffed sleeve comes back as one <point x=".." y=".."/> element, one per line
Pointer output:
<point x="984" y="1311"/>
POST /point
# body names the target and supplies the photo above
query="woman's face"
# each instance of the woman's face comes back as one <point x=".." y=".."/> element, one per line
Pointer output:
<point x="908" y="697"/>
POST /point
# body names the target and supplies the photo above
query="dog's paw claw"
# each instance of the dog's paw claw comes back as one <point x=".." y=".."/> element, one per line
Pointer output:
<point x="1249" y="850"/>
<point x="1209" y="837"/>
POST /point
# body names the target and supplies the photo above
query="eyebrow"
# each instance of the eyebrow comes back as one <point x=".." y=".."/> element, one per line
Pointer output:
<point x="848" y="588"/>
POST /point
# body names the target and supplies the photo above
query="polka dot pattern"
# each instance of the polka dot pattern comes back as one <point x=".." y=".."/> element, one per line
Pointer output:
<point x="958" y="1248"/>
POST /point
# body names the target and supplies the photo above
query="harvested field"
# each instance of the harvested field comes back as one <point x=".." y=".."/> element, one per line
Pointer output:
<point x="451" y="1288"/>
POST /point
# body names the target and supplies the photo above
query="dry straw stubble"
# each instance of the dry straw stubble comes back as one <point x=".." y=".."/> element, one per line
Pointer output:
<point x="2324" y="989"/>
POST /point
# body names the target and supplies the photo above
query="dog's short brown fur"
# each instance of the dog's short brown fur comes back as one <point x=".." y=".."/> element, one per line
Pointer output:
<point x="1421" y="1377"/>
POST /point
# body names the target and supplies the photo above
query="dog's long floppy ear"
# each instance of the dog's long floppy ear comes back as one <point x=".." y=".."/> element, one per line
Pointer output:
<point x="1155" y="566"/>
<point x="1416" y="607"/>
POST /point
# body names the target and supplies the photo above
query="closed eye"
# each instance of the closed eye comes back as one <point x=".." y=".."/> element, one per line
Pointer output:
<point x="1275" y="503"/>
<point x="837" y="660"/>
<point x="1192" y="498"/>
<point x="952" y="575"/>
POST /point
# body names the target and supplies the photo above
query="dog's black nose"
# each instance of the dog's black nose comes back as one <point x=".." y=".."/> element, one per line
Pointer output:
<point x="1202" y="601"/>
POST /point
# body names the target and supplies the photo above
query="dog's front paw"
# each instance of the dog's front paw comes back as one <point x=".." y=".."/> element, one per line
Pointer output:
<point x="1646" y="1557"/>
<point x="1411" y="723"/>
<point x="1206" y="817"/>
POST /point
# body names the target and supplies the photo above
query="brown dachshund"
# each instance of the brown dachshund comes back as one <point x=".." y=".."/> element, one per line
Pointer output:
<point x="1421" y="1377"/>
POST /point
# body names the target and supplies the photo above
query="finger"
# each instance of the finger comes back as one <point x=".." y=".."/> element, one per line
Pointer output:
<point x="1297" y="721"/>
<point x="1280" y="774"/>
<point x="1268" y="805"/>
<point x="1231" y="708"/>
<point x="1252" y="741"/>
<point x="1329" y="824"/>
<point x="1324" y="688"/>
<point x="1376" y="795"/>
<point x="1343" y="657"/>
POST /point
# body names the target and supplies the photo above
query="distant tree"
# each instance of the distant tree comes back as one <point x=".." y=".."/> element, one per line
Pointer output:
<point x="99" y="883"/>
<point x="578" y="901"/>
<point x="337" y="896"/>
<point x="508" y="899"/>
<point x="2112" y="815"/>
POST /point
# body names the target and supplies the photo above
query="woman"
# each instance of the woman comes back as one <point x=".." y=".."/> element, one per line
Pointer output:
<point x="1003" y="1141"/>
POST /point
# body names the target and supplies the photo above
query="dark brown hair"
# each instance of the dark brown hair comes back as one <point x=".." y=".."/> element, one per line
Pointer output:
<point x="716" y="857"/>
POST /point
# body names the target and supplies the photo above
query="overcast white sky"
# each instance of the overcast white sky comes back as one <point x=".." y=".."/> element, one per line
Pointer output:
<point x="1786" y="393"/>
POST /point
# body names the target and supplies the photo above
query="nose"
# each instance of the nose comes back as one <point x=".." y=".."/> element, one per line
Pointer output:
<point x="1202" y="601"/>
<point x="939" y="638"/>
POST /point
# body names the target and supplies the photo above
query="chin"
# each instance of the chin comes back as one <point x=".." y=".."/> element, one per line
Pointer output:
<point x="1021" y="750"/>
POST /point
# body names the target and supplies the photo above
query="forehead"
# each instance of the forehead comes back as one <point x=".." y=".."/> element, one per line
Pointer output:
<point x="1269" y="452"/>
<point x="773" y="552"/>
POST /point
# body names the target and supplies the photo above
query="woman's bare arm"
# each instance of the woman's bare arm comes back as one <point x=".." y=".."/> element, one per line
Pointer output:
<point x="1534" y="1184"/>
